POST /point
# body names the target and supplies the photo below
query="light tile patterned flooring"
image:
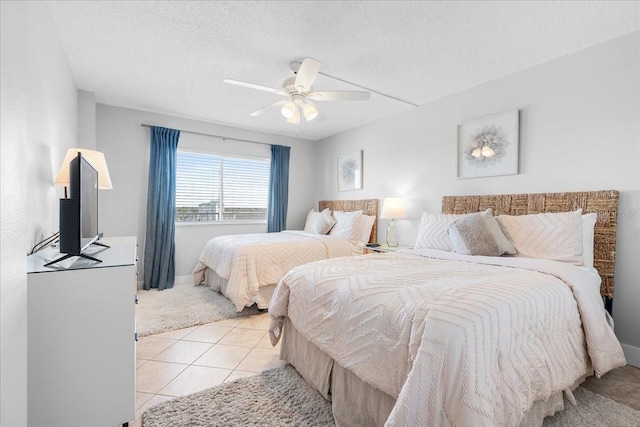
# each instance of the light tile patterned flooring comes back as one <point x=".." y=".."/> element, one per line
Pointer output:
<point x="181" y="362"/>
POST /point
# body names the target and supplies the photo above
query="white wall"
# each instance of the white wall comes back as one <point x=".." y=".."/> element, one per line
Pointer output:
<point x="580" y="131"/>
<point x="126" y="147"/>
<point x="38" y="125"/>
<point x="52" y="121"/>
<point x="87" y="119"/>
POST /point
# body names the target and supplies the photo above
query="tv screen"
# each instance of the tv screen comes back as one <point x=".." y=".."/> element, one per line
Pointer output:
<point x="79" y="213"/>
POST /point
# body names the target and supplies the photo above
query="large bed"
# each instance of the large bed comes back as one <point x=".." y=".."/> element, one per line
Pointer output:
<point x="247" y="267"/>
<point x="430" y="337"/>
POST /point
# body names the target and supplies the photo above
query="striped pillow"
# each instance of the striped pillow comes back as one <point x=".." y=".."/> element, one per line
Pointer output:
<point x="553" y="236"/>
<point x="347" y="225"/>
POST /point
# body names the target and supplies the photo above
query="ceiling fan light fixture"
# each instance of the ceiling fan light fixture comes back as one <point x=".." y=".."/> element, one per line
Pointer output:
<point x="295" y="118"/>
<point x="310" y="111"/>
<point x="289" y="110"/>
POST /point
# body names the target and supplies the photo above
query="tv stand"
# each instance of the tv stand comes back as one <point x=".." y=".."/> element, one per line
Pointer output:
<point x="101" y="244"/>
<point x="67" y="256"/>
<point x="89" y="257"/>
<point x="81" y="358"/>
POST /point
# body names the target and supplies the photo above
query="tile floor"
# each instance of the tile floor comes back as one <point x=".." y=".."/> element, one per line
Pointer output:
<point x="181" y="362"/>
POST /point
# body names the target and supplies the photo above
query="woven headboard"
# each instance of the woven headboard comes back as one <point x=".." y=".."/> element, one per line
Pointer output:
<point x="604" y="203"/>
<point x="368" y="207"/>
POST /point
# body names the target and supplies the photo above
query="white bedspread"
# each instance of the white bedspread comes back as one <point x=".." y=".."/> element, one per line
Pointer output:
<point x="458" y="341"/>
<point x="249" y="261"/>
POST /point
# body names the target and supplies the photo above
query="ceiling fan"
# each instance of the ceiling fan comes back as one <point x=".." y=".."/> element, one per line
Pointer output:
<point x="299" y="92"/>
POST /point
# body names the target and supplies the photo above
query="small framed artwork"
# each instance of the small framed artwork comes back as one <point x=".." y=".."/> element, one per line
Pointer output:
<point x="350" y="171"/>
<point x="489" y="146"/>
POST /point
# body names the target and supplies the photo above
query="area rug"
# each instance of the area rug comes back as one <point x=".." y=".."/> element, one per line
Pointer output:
<point x="182" y="306"/>
<point x="281" y="397"/>
<point x="277" y="397"/>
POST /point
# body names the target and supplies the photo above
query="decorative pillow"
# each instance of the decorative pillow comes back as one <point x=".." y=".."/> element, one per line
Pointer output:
<point x="347" y="224"/>
<point x="366" y="224"/>
<point x="434" y="228"/>
<point x="552" y="236"/>
<point x="319" y="222"/>
<point x="504" y="246"/>
<point x="588" y="226"/>
<point x="471" y="236"/>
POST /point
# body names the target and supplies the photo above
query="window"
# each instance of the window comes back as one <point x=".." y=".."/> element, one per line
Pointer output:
<point x="216" y="188"/>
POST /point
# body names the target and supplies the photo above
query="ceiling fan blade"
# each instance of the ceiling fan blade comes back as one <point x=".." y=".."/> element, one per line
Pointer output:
<point x="306" y="74"/>
<point x="255" y="86"/>
<point x="275" y="106"/>
<point x="340" y="95"/>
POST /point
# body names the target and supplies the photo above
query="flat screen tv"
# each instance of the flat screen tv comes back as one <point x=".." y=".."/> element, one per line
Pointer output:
<point x="79" y="213"/>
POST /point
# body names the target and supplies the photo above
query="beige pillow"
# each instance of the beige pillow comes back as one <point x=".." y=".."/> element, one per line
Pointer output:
<point x="471" y="236"/>
<point x="552" y="236"/>
<point x="588" y="230"/>
<point x="319" y="222"/>
<point x="366" y="225"/>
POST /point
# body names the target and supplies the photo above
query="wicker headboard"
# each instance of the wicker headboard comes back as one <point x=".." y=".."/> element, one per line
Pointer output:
<point x="604" y="203"/>
<point x="368" y="207"/>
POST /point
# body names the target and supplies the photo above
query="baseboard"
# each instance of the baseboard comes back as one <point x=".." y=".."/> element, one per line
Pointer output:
<point x="183" y="280"/>
<point x="632" y="354"/>
<point x="180" y="280"/>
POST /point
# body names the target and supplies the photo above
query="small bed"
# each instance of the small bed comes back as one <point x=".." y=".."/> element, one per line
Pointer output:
<point x="432" y="337"/>
<point x="247" y="267"/>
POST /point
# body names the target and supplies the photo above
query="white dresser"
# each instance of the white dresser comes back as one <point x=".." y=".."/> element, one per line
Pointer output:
<point x="81" y="337"/>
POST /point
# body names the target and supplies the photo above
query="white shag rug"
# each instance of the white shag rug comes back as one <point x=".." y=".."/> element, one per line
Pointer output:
<point x="182" y="306"/>
<point x="278" y="397"/>
<point x="281" y="397"/>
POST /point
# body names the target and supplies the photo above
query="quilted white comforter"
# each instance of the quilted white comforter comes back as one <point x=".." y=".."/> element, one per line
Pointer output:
<point x="458" y="341"/>
<point x="249" y="261"/>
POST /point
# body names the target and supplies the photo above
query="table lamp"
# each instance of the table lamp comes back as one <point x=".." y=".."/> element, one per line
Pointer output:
<point x="393" y="208"/>
<point x="96" y="158"/>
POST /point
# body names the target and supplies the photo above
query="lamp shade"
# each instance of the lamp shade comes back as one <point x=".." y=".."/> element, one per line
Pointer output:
<point x="310" y="111"/>
<point x="393" y="208"/>
<point x="289" y="110"/>
<point x="96" y="158"/>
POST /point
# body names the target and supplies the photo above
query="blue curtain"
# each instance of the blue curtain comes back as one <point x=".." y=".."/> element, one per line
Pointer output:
<point x="278" y="189"/>
<point x="159" y="248"/>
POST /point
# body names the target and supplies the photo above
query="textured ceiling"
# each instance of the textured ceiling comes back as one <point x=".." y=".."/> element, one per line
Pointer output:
<point x="171" y="57"/>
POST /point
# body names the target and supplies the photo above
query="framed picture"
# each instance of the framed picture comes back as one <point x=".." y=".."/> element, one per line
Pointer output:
<point x="350" y="171"/>
<point x="489" y="146"/>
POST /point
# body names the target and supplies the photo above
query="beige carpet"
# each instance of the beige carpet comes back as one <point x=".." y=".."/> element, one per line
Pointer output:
<point x="280" y="397"/>
<point x="181" y="307"/>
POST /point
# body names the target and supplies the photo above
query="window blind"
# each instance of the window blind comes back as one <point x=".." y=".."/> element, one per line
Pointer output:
<point x="216" y="188"/>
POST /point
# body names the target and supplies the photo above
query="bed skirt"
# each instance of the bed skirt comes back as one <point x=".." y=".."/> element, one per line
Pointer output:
<point x="218" y="284"/>
<point x="356" y="403"/>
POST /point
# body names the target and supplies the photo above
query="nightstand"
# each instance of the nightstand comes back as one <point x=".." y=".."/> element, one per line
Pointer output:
<point x="383" y="248"/>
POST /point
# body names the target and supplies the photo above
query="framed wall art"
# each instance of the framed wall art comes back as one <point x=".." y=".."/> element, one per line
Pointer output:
<point x="489" y="146"/>
<point x="350" y="171"/>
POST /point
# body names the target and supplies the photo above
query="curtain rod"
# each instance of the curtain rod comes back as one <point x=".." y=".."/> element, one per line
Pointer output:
<point x="224" y="138"/>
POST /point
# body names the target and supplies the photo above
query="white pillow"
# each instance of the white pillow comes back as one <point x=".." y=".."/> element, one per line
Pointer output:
<point x="347" y="225"/>
<point x="553" y="236"/>
<point x="501" y="240"/>
<point x="319" y="222"/>
<point x="588" y="225"/>
<point x="433" y="231"/>
<point x="366" y="224"/>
